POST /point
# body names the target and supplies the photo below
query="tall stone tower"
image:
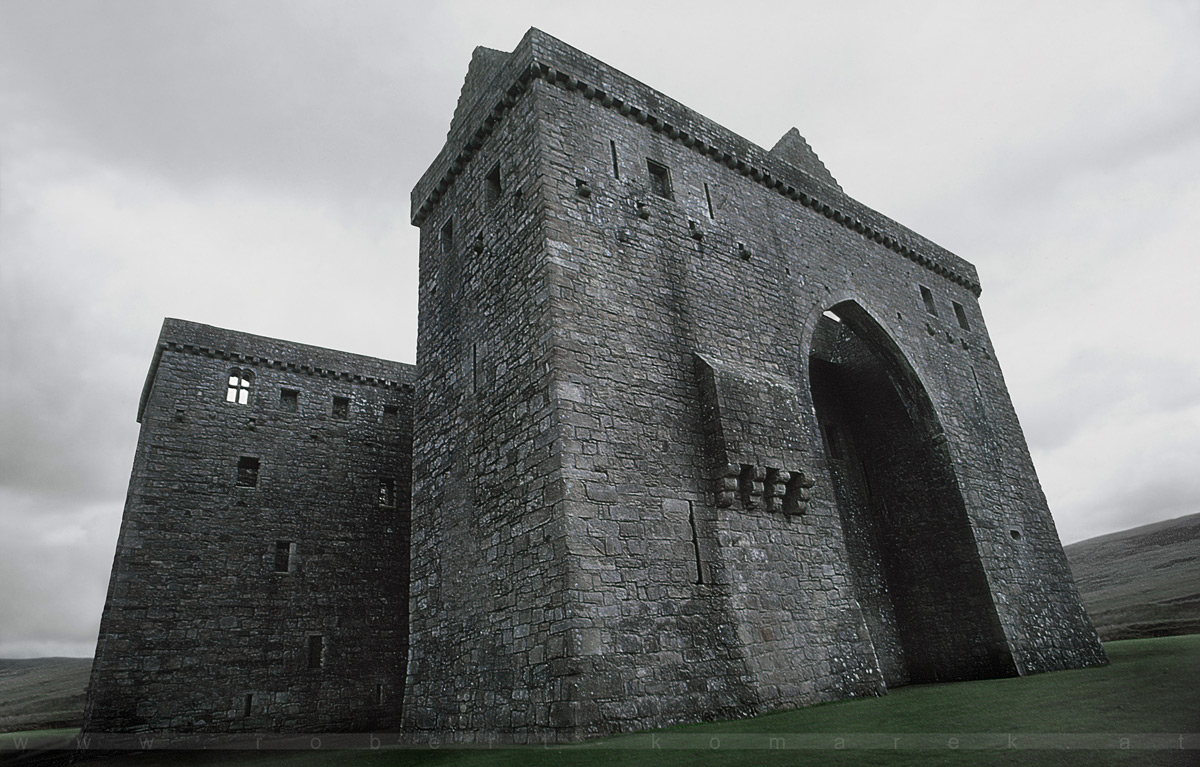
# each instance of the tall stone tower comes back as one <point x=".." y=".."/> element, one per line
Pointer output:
<point x="691" y="435"/>
<point x="695" y="433"/>
<point x="260" y="579"/>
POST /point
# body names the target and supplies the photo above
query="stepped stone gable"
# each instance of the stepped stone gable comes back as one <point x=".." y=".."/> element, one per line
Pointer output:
<point x="691" y="435"/>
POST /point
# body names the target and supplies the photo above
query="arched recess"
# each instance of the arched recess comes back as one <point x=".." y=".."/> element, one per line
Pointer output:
<point x="916" y="568"/>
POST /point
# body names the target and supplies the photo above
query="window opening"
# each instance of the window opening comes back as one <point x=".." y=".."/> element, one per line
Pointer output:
<point x="391" y="414"/>
<point x="289" y="400"/>
<point x="341" y="407"/>
<point x="708" y="199"/>
<point x="283" y="556"/>
<point x="961" y="314"/>
<point x="378" y="695"/>
<point x="316" y="651"/>
<point x="492" y="188"/>
<point x="249" y="707"/>
<point x="238" y="390"/>
<point x="660" y="179"/>
<point x="247" y="471"/>
<point x="616" y="170"/>
<point x="448" y="237"/>
<point x="387" y="492"/>
<point x="695" y="542"/>
<point x="927" y="297"/>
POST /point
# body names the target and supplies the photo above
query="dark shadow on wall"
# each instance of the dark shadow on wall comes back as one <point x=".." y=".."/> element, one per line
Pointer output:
<point x="917" y="572"/>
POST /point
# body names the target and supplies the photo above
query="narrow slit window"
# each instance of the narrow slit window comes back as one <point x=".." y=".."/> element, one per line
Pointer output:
<point x="616" y="168"/>
<point x="247" y="471"/>
<point x="475" y="369"/>
<point x="378" y="695"/>
<point x="316" y="651"/>
<point x="248" y="708"/>
<point x="238" y="390"/>
<point x="660" y="179"/>
<point x="708" y="199"/>
<point x="387" y="493"/>
<point x="927" y="297"/>
<point x="283" y="556"/>
<point x="492" y="188"/>
<point x="695" y="543"/>
<point x="961" y="314"/>
<point x="448" y="237"/>
<point x="341" y="407"/>
<point x="289" y="400"/>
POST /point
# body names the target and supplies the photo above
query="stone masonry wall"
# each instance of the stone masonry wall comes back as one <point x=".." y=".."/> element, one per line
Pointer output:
<point x="268" y="596"/>
<point x="489" y="629"/>
<point x="667" y="237"/>
<point x="628" y="510"/>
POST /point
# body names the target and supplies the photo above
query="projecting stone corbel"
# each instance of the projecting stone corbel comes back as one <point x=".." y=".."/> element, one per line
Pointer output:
<point x="752" y="423"/>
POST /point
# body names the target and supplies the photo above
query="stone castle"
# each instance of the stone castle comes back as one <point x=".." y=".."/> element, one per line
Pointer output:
<point x="691" y="435"/>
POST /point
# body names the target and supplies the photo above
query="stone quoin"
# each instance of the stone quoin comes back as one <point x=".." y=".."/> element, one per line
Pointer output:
<point x="691" y="435"/>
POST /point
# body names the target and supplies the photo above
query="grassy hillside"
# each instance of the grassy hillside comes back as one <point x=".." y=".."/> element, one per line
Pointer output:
<point x="41" y="693"/>
<point x="1142" y="582"/>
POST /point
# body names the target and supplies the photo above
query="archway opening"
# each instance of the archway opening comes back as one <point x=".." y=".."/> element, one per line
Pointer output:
<point x="916" y="569"/>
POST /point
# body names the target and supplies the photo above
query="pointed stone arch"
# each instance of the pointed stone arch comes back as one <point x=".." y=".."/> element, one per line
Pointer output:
<point x="917" y="572"/>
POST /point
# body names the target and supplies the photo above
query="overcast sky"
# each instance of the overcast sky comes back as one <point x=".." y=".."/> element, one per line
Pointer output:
<point x="248" y="165"/>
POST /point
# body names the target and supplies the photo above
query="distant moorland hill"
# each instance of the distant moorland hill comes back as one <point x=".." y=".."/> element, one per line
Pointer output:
<point x="42" y="693"/>
<point x="1143" y="582"/>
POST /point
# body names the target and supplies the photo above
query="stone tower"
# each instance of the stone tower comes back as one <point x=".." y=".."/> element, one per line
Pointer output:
<point x="691" y="435"/>
<point x="695" y="433"/>
<point x="260" y="579"/>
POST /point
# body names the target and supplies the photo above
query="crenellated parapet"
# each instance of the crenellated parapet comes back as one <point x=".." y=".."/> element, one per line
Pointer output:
<point x="542" y="57"/>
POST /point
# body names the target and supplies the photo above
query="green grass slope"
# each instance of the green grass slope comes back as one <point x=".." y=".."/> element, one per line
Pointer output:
<point x="1141" y="582"/>
<point x="1132" y="712"/>
<point x="41" y="693"/>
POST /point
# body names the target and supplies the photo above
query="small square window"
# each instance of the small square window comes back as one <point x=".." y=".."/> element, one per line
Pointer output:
<point x="341" y="407"/>
<point x="927" y="297"/>
<point x="660" y="180"/>
<point x="289" y="400"/>
<point x="391" y="414"/>
<point x="387" y="492"/>
<point x="961" y="314"/>
<point x="247" y="471"/>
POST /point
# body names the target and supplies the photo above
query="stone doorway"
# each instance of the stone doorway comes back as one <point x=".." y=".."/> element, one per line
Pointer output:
<point x="917" y="573"/>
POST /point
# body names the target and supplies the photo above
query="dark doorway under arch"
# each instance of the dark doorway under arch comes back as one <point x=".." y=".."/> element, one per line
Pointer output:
<point x="916" y="569"/>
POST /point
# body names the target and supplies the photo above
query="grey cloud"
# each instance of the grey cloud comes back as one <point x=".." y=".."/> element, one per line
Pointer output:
<point x="1139" y="500"/>
<point x="55" y="574"/>
<point x="343" y="105"/>
<point x="1093" y="383"/>
<point x="302" y="94"/>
